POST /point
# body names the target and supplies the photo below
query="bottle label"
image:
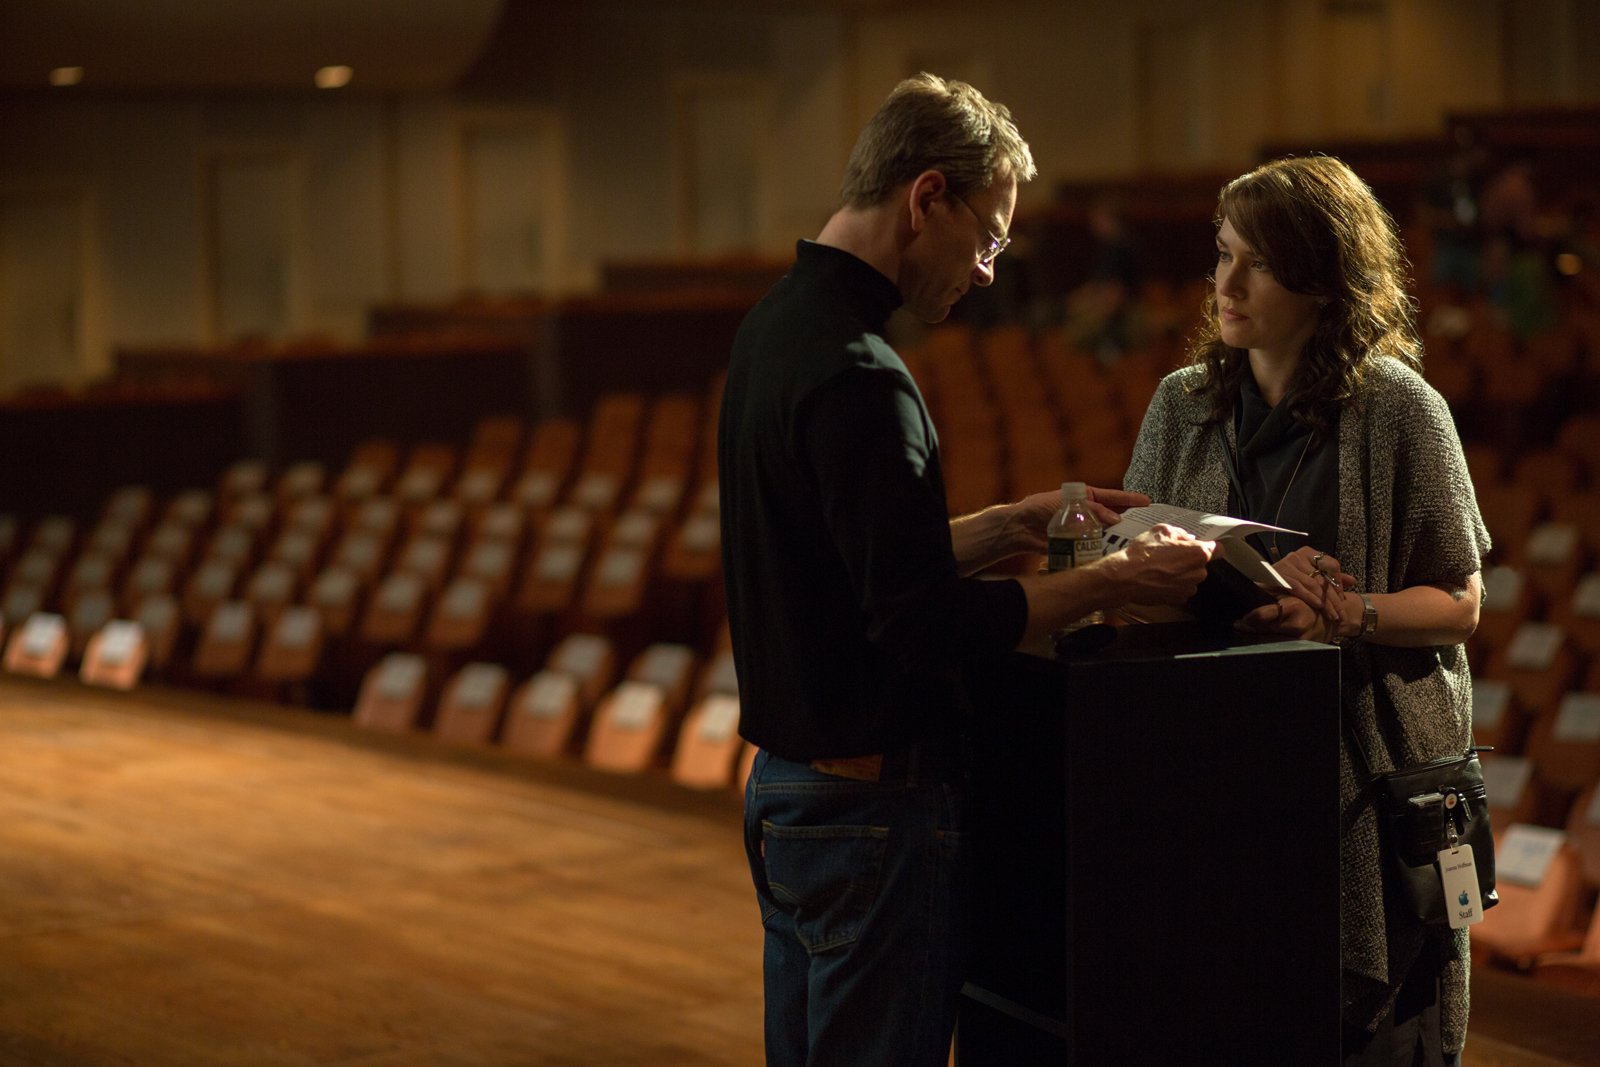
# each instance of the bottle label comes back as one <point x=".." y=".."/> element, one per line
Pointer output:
<point x="1068" y="552"/>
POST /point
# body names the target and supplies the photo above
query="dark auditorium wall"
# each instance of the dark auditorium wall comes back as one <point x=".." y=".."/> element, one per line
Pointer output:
<point x="584" y="133"/>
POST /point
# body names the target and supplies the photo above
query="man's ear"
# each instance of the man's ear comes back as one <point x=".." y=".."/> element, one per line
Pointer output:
<point x="928" y="186"/>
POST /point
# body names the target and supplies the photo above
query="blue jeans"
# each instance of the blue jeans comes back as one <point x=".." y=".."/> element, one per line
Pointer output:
<point x="861" y="887"/>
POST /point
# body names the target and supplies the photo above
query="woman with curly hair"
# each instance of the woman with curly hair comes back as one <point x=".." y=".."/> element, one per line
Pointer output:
<point x="1302" y="406"/>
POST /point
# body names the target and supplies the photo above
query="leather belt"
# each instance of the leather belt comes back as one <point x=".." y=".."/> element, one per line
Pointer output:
<point x="861" y="768"/>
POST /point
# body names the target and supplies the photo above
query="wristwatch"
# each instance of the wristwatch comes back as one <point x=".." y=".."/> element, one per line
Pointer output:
<point x="1369" y="617"/>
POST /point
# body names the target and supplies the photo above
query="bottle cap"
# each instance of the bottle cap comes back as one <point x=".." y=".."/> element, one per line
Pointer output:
<point x="1074" y="491"/>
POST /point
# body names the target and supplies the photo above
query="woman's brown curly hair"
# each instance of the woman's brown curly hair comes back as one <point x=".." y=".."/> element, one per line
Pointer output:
<point x="1322" y="233"/>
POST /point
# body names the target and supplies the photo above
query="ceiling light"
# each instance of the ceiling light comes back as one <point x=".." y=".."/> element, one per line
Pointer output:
<point x="333" y="77"/>
<point x="66" y="76"/>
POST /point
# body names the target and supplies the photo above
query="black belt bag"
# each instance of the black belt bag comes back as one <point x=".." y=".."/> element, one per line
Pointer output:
<point x="1424" y="810"/>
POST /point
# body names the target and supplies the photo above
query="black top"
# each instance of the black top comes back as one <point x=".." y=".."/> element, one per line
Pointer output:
<point x="847" y="613"/>
<point x="1287" y="479"/>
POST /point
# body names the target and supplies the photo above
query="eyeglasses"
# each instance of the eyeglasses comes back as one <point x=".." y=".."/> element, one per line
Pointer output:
<point x="996" y="244"/>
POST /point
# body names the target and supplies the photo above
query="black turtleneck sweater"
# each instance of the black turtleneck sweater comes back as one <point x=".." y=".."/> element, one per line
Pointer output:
<point x="849" y="619"/>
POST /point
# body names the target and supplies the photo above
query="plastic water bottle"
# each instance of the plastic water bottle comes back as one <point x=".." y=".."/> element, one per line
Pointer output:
<point x="1076" y="539"/>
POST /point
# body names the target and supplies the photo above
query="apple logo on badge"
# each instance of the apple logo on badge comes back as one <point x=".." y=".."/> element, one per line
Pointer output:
<point x="1463" y="898"/>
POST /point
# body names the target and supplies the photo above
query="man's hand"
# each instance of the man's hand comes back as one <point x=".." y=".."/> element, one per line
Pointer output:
<point x="1109" y="504"/>
<point x="1030" y="515"/>
<point x="1163" y="565"/>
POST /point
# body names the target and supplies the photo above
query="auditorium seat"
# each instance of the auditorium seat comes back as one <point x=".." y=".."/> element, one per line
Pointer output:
<point x="1515" y="794"/>
<point x="39" y="569"/>
<point x="460" y="618"/>
<point x="1539" y="664"/>
<point x="1565" y="747"/>
<point x="92" y="572"/>
<point x="543" y="715"/>
<point x="428" y="557"/>
<point x="557" y="563"/>
<point x="130" y="505"/>
<point x="1510" y="511"/>
<point x="54" y="534"/>
<point x="377" y="517"/>
<point x="245" y="477"/>
<point x="392" y="695"/>
<point x="1578" y="612"/>
<point x="299" y="550"/>
<point x="591" y="660"/>
<point x="1553" y="560"/>
<point x="395" y="611"/>
<point x="151" y="576"/>
<point x="1498" y="721"/>
<point x="173" y="541"/>
<point x="234" y="543"/>
<point x="211" y="583"/>
<point x="292" y="649"/>
<point x="1551" y="472"/>
<point x="1577" y="971"/>
<point x="336" y="594"/>
<point x="501" y="523"/>
<point x="89" y="613"/>
<point x="38" y="645"/>
<point x="114" y="538"/>
<point x="193" y="509"/>
<point x="20" y="601"/>
<point x="1538" y="881"/>
<point x="616" y="590"/>
<point x="300" y="481"/>
<point x="628" y="728"/>
<point x="1583" y="832"/>
<point x="364" y="553"/>
<point x="669" y="667"/>
<point x="709" y="744"/>
<point x="227" y="642"/>
<point x="273" y="587"/>
<point x="368" y="472"/>
<point x="547" y="465"/>
<point x="472" y="704"/>
<point x="482" y="481"/>
<point x="159" y="616"/>
<point x="492" y="561"/>
<point x="115" y="656"/>
<point x="440" y="520"/>
<point x="428" y="473"/>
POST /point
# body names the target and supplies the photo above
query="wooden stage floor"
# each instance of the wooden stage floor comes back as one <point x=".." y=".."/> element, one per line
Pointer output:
<point x="192" y="880"/>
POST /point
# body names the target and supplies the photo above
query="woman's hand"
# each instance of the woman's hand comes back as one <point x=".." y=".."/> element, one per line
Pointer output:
<point x="1291" y="616"/>
<point x="1316" y="579"/>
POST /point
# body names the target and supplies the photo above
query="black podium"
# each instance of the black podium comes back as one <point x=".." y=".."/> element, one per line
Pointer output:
<point x="1156" y="847"/>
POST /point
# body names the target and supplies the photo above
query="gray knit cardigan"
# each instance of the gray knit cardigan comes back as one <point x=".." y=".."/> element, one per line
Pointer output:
<point x="1407" y="516"/>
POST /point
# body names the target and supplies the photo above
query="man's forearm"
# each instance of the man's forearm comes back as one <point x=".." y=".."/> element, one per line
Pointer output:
<point x="984" y="538"/>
